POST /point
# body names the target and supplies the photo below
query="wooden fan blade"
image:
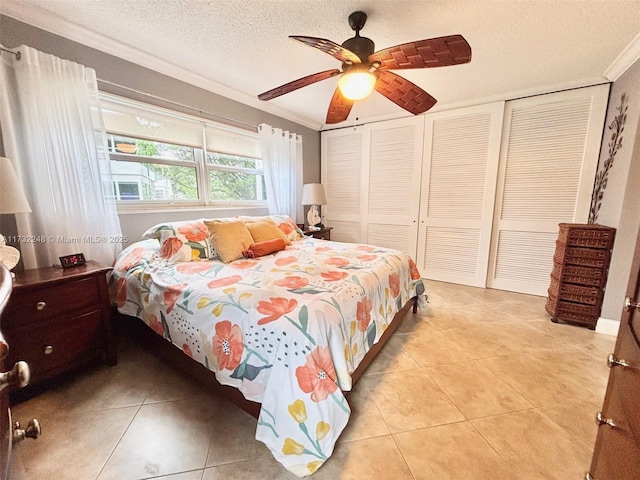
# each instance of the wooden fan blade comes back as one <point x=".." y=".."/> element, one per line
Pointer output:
<point x="327" y="46"/>
<point x="339" y="108"/>
<point x="299" y="83"/>
<point x="404" y="93"/>
<point x="429" y="53"/>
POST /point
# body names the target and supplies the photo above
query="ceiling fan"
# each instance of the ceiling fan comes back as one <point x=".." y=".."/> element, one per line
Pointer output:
<point x="363" y="70"/>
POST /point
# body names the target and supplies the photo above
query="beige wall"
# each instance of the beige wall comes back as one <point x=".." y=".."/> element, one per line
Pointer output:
<point x="621" y="201"/>
<point x="112" y="69"/>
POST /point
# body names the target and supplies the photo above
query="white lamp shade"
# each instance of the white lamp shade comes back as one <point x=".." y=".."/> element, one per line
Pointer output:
<point x="313" y="194"/>
<point x="12" y="199"/>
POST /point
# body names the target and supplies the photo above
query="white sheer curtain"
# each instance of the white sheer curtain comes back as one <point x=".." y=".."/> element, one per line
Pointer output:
<point x="52" y="130"/>
<point x="282" y="163"/>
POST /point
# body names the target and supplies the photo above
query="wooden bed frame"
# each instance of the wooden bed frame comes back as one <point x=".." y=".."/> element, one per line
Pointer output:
<point x="168" y="352"/>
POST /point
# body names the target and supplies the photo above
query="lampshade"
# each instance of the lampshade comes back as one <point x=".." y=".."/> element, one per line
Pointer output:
<point x="12" y="199"/>
<point x="313" y="194"/>
<point x="356" y="85"/>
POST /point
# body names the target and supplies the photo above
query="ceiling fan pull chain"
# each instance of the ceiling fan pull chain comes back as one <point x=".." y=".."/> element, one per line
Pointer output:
<point x="355" y="114"/>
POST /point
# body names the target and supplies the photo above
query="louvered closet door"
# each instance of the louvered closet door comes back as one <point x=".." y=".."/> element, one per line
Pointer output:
<point x="392" y="177"/>
<point x="549" y="156"/>
<point x="458" y="187"/>
<point x="342" y="159"/>
<point x="371" y="176"/>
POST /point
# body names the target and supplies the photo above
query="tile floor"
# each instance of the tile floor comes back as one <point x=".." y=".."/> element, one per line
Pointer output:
<point x="479" y="385"/>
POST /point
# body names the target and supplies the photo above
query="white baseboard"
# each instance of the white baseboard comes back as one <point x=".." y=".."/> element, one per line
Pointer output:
<point x="607" y="326"/>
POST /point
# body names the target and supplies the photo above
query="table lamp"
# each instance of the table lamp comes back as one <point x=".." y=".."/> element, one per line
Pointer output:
<point x="313" y="194"/>
<point x="12" y="200"/>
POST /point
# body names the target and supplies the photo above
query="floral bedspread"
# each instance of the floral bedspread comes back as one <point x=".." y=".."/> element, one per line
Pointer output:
<point x="287" y="329"/>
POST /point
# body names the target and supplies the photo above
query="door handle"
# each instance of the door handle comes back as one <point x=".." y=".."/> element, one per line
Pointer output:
<point x="629" y="304"/>
<point x="602" y="420"/>
<point x="612" y="361"/>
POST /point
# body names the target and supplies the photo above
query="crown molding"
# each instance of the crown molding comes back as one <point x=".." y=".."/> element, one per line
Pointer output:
<point x="624" y="61"/>
<point x="57" y="25"/>
<point x="503" y="97"/>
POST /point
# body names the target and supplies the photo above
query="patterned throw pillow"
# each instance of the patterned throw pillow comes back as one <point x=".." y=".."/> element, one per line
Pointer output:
<point x="175" y="250"/>
<point x="287" y="226"/>
<point x="174" y="235"/>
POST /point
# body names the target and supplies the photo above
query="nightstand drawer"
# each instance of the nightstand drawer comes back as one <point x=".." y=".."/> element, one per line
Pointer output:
<point x="57" y="319"/>
<point x="53" y="346"/>
<point x="322" y="234"/>
<point x="26" y="306"/>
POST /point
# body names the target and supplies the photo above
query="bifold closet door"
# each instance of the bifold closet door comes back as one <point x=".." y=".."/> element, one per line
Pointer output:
<point x="461" y="152"/>
<point x="371" y="176"/>
<point x="392" y="178"/>
<point x="342" y="159"/>
<point x="548" y="160"/>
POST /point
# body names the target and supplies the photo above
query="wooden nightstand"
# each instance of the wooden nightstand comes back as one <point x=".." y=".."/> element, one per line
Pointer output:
<point x="57" y="319"/>
<point x="323" y="233"/>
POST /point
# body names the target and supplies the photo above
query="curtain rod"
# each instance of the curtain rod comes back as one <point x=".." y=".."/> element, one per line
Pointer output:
<point x="16" y="53"/>
<point x="182" y="105"/>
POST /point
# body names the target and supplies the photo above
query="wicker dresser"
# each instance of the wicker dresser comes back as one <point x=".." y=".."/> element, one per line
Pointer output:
<point x="580" y="268"/>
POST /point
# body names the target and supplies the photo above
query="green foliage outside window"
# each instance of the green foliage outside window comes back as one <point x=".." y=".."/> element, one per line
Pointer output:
<point x="182" y="180"/>
<point x="235" y="185"/>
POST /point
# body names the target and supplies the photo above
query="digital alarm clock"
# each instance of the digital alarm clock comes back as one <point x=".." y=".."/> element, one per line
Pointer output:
<point x="72" y="260"/>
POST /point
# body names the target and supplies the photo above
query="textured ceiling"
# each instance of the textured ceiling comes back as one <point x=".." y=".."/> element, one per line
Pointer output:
<point x="241" y="48"/>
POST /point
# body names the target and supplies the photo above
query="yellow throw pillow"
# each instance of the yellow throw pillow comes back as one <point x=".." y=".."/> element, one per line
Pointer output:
<point x="229" y="238"/>
<point x="264" y="230"/>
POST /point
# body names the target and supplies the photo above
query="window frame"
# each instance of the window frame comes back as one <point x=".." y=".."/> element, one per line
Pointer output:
<point x="200" y="163"/>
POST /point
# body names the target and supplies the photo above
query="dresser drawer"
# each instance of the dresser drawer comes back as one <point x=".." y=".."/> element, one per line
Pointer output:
<point x="585" y="257"/>
<point x="33" y="305"/>
<point x="576" y="312"/>
<point x="587" y="236"/>
<point x="575" y="293"/>
<point x="52" y="346"/>
<point x="578" y="275"/>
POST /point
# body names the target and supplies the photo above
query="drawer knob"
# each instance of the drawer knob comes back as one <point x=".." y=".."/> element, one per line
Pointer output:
<point x="18" y="376"/>
<point x="40" y="306"/>
<point x="612" y="361"/>
<point x="601" y="420"/>
<point x="33" y="430"/>
<point x="48" y="350"/>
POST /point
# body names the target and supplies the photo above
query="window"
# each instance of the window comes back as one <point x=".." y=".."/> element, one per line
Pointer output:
<point x="148" y="171"/>
<point x="127" y="191"/>
<point x="232" y="177"/>
<point x="158" y="157"/>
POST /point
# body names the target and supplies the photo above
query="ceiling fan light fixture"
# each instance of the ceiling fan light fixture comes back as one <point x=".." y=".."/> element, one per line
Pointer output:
<point x="356" y="85"/>
<point x="363" y="67"/>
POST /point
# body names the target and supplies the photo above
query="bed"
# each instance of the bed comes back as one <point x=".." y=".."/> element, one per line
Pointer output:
<point x="291" y="331"/>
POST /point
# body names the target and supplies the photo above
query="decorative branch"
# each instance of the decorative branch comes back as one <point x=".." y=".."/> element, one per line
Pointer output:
<point x="615" y="143"/>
